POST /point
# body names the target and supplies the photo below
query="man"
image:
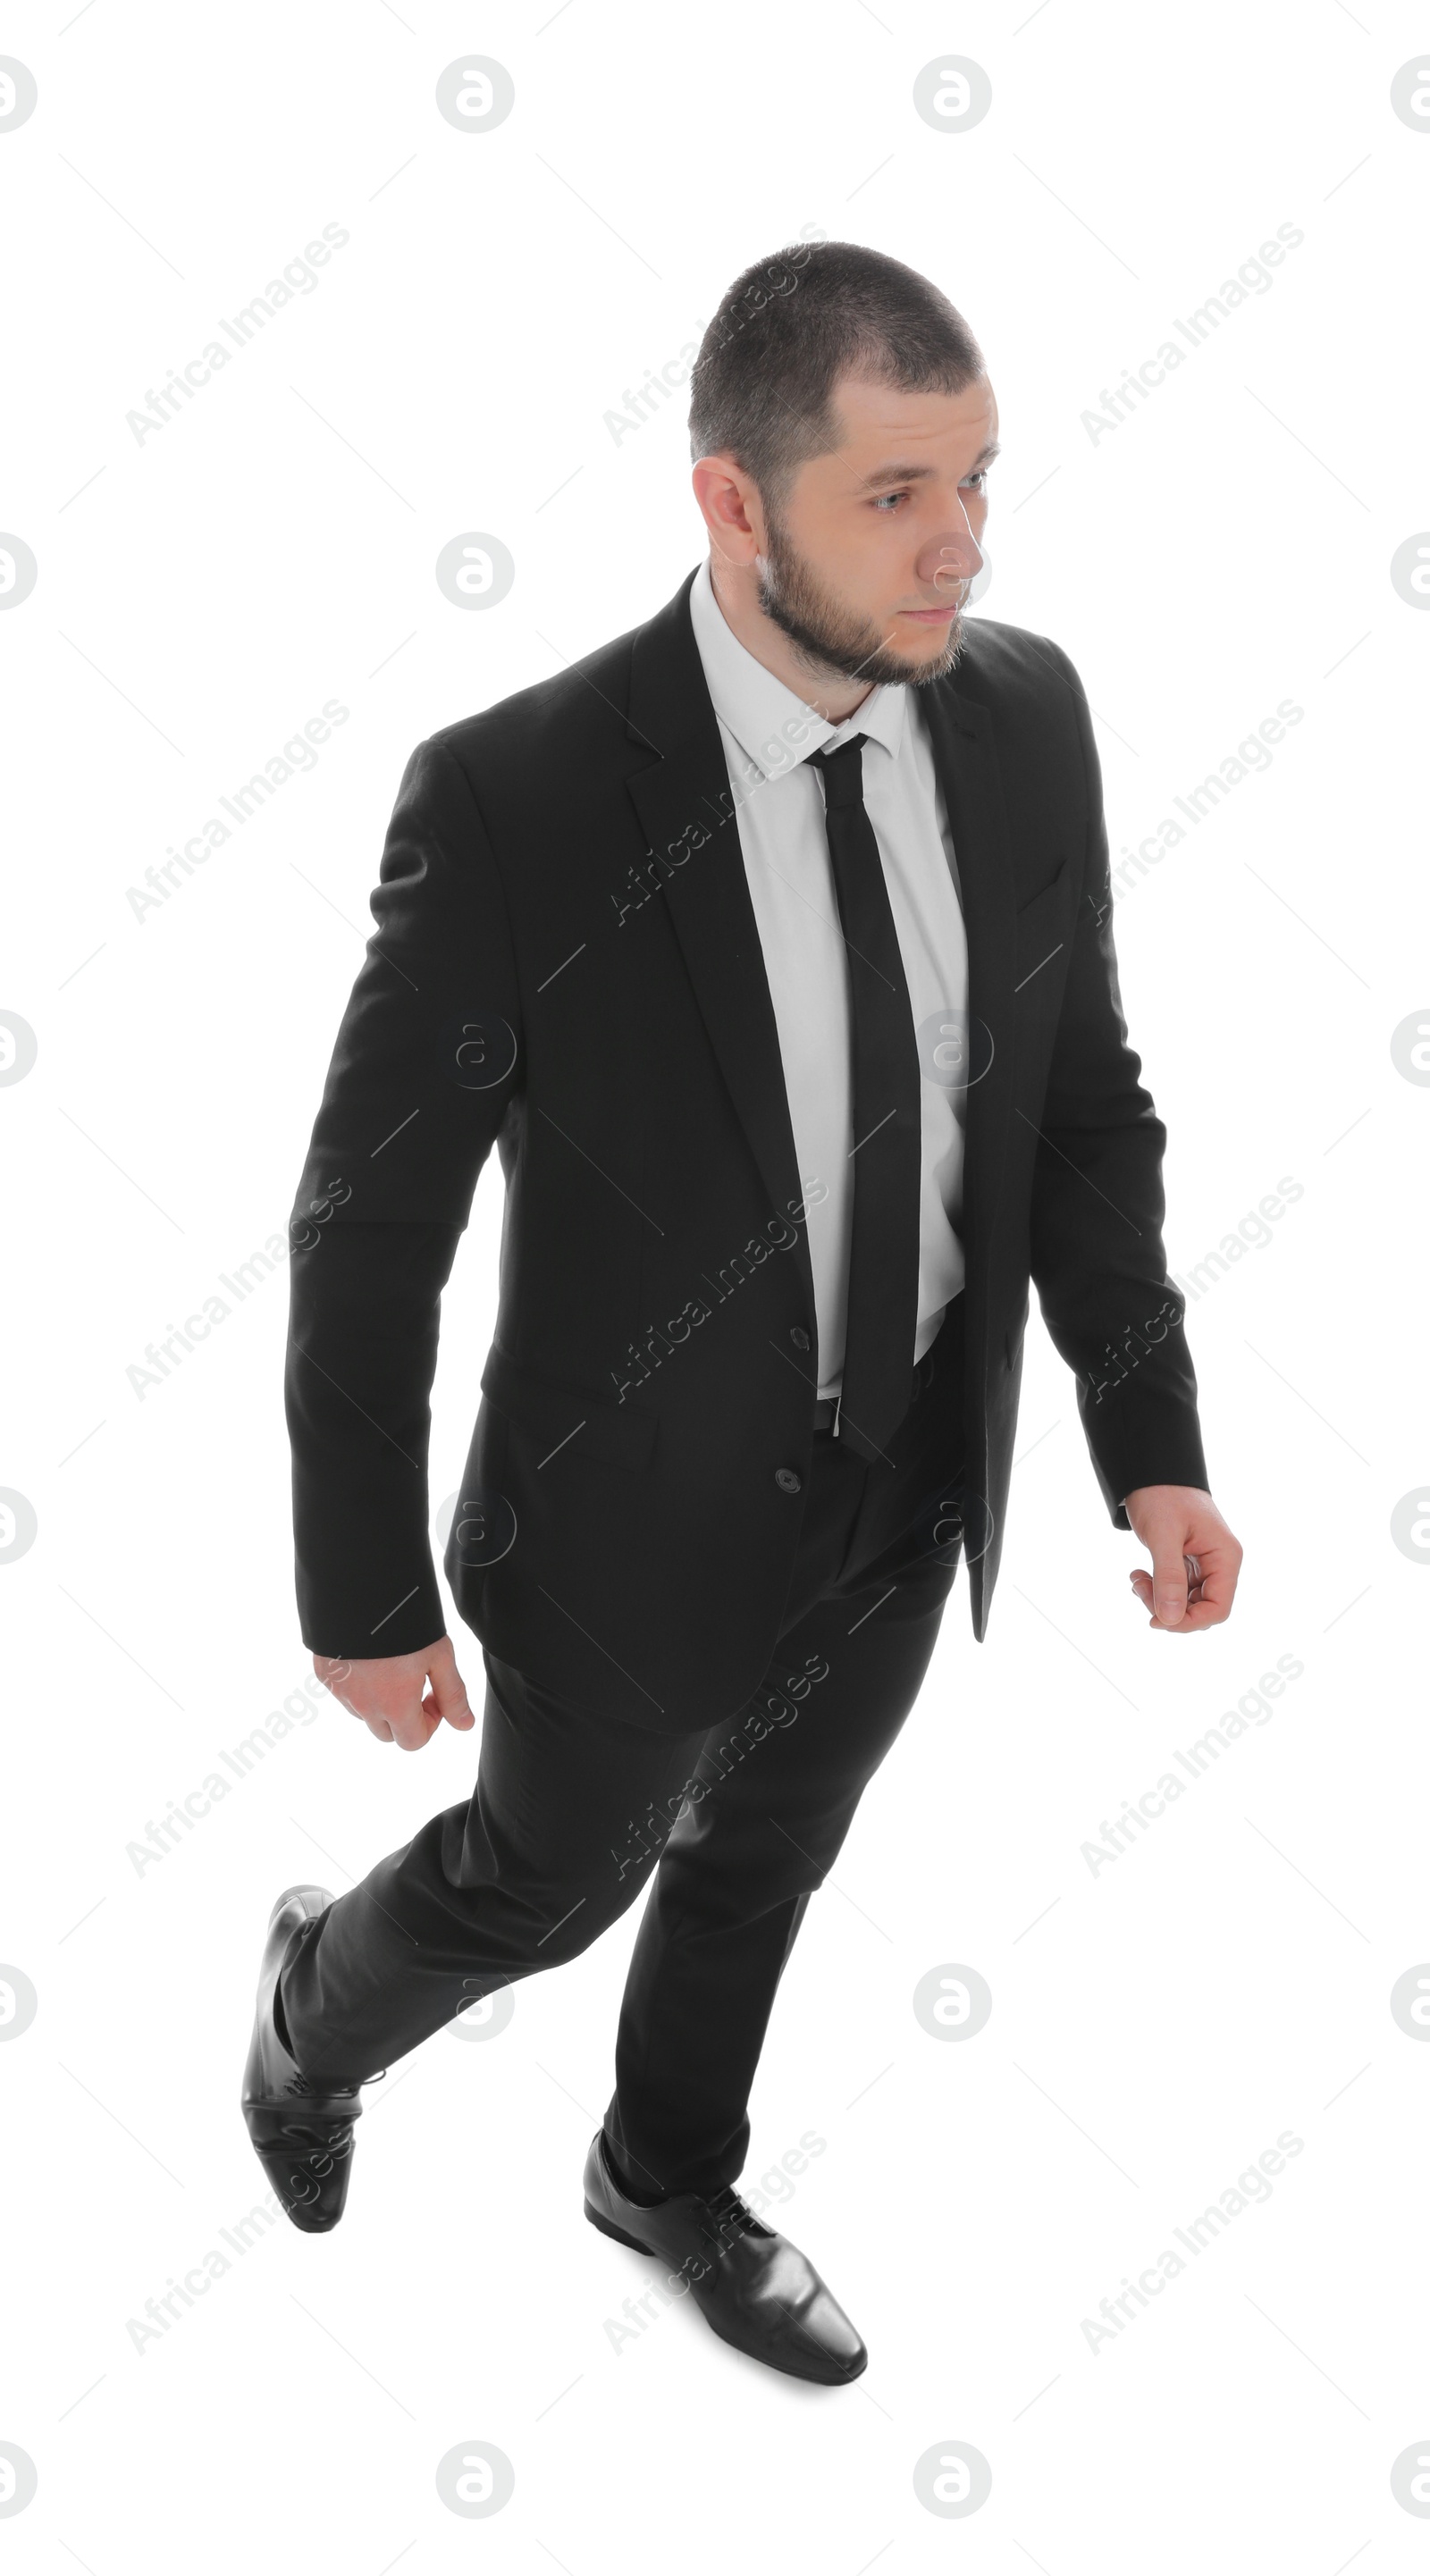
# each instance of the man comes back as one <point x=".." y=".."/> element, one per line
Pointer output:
<point x="771" y="945"/>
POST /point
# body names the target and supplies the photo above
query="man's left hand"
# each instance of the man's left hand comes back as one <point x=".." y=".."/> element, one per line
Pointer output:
<point x="1176" y="1523"/>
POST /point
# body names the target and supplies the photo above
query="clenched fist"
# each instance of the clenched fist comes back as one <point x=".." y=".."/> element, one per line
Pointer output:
<point x="1195" y="1558"/>
<point x="386" y="1692"/>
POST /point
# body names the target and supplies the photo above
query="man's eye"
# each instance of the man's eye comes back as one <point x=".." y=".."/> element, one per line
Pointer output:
<point x="889" y="496"/>
<point x="980" y="478"/>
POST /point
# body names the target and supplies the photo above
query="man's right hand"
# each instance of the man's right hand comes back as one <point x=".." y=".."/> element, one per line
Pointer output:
<point x="386" y="1692"/>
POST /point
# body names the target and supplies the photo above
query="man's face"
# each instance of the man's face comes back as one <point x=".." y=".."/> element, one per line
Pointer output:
<point x="867" y="567"/>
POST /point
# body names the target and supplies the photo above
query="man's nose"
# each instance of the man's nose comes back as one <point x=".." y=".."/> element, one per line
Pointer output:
<point x="953" y="556"/>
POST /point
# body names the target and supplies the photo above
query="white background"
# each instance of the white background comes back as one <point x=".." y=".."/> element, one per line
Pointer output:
<point x="1155" y="2026"/>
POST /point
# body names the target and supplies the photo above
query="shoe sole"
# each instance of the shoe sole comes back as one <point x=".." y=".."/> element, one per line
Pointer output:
<point x="608" y="2227"/>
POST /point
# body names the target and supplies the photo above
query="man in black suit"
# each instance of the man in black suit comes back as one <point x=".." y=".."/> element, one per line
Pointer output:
<point x="771" y="944"/>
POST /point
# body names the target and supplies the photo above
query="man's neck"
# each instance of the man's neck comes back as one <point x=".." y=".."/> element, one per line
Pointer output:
<point x="831" y="693"/>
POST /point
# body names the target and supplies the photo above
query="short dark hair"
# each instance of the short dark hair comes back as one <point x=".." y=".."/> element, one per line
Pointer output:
<point x="790" y="327"/>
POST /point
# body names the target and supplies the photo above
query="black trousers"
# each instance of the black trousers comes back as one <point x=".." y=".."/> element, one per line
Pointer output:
<point x="731" y="1830"/>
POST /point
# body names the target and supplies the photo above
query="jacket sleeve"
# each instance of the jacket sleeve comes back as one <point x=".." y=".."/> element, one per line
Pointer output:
<point x="1098" y="1260"/>
<point x="427" y="1067"/>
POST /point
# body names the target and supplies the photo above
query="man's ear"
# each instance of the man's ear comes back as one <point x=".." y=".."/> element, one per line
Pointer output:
<point x="730" y="506"/>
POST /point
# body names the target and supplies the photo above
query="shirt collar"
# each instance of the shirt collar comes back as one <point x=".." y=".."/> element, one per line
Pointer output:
<point x="756" y="707"/>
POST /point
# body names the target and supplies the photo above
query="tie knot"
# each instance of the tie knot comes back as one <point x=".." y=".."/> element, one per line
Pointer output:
<point x="843" y="769"/>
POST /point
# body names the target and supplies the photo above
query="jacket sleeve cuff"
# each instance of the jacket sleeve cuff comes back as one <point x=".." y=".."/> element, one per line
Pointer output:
<point x="331" y="1622"/>
<point x="1154" y="1440"/>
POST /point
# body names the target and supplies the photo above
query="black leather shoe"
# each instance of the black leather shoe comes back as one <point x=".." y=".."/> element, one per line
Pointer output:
<point x="756" y="2289"/>
<point x="302" y="2132"/>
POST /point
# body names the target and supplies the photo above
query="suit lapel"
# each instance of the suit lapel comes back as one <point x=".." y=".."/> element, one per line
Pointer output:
<point x="688" y="814"/>
<point x="685" y="792"/>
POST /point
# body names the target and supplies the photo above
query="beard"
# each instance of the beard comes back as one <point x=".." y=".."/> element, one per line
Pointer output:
<point x="828" y="636"/>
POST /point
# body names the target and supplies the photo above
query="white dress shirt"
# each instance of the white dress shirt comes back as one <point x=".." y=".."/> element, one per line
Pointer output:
<point x="768" y="734"/>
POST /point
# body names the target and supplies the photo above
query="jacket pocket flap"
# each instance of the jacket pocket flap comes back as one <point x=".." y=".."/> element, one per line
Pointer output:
<point x="562" y="1415"/>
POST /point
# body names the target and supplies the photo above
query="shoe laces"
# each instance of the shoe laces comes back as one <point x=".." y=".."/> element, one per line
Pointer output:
<point x="732" y="2216"/>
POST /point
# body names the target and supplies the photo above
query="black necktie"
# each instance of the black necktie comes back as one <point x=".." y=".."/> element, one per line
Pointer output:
<point x="887" y="1150"/>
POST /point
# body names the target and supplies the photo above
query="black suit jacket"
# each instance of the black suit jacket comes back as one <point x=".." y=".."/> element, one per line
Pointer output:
<point x="566" y="962"/>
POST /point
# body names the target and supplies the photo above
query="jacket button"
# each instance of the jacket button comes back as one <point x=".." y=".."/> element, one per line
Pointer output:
<point x="787" y="1481"/>
<point x="799" y="1337"/>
